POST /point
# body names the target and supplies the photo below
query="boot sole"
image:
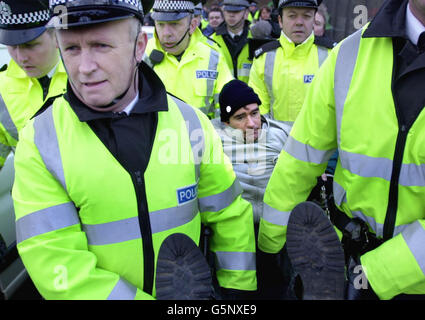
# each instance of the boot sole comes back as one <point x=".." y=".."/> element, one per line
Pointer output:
<point x="316" y="253"/>
<point x="182" y="272"/>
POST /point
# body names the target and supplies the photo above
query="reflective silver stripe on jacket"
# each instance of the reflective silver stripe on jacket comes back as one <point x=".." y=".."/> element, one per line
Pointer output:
<point x="306" y="153"/>
<point x="323" y="54"/>
<point x="414" y="235"/>
<point x="46" y="220"/>
<point x="123" y="290"/>
<point x="344" y="69"/>
<point x="244" y="72"/>
<point x="235" y="260"/>
<point x="378" y="228"/>
<point x="46" y="141"/>
<point x="268" y="77"/>
<point x="275" y="216"/>
<point x="195" y="132"/>
<point x="222" y="200"/>
<point x="212" y="66"/>
<point x="7" y="121"/>
<point x="269" y="68"/>
<point x="129" y="229"/>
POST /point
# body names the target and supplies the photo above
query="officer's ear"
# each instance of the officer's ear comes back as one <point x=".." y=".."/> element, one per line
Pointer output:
<point x="141" y="42"/>
<point x="193" y="24"/>
<point x="279" y="19"/>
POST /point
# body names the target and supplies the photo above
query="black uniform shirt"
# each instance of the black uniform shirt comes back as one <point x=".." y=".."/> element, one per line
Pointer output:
<point x="128" y="137"/>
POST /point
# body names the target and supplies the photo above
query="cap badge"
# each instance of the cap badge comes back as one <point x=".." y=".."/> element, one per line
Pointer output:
<point x="5" y="10"/>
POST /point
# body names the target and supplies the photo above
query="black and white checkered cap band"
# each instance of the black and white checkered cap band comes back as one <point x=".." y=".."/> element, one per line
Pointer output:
<point x="167" y="5"/>
<point x="24" y="18"/>
<point x="137" y="4"/>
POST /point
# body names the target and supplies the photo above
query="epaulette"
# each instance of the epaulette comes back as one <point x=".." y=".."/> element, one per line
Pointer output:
<point x="4" y="68"/>
<point x="269" y="46"/>
<point x="212" y="40"/>
<point x="324" y="42"/>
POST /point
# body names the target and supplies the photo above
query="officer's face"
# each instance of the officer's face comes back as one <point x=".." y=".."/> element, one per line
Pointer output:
<point x="101" y="59"/>
<point x="38" y="56"/>
<point x="247" y="119"/>
<point x="235" y="18"/>
<point x="297" y="23"/>
<point x="174" y="35"/>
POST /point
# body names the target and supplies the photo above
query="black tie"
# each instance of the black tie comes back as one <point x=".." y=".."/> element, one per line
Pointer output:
<point x="45" y="83"/>
<point x="421" y="42"/>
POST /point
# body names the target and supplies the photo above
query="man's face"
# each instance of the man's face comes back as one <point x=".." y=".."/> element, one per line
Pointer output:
<point x="234" y="18"/>
<point x="319" y="25"/>
<point x="297" y="23"/>
<point x="215" y="18"/>
<point x="101" y="59"/>
<point x="170" y="33"/>
<point x="247" y="119"/>
<point x="36" y="57"/>
<point x="265" y="14"/>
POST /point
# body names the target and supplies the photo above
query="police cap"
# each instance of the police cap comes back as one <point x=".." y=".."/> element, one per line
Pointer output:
<point x="235" y="5"/>
<point x="298" y="3"/>
<point x="74" y="13"/>
<point x="173" y="10"/>
<point x="22" y="21"/>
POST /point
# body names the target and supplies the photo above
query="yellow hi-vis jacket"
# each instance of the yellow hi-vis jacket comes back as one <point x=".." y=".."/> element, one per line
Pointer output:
<point x="242" y="70"/>
<point x="281" y="77"/>
<point x="350" y="107"/>
<point x="76" y="208"/>
<point x="199" y="76"/>
<point x="20" y="98"/>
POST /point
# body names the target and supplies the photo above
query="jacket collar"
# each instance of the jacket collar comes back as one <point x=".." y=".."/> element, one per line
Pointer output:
<point x="222" y="29"/>
<point x="389" y="22"/>
<point x="15" y="71"/>
<point x="152" y="97"/>
<point x="290" y="48"/>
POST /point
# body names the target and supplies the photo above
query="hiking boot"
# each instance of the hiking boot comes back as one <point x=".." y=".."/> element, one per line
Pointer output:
<point x="316" y="253"/>
<point x="182" y="272"/>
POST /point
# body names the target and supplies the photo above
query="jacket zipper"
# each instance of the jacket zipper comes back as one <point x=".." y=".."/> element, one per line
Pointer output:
<point x="391" y="215"/>
<point x="146" y="232"/>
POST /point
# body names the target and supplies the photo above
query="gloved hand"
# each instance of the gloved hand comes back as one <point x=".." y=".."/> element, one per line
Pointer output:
<point x="358" y="288"/>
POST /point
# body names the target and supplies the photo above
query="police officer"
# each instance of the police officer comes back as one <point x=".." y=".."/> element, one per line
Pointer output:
<point x="115" y="167"/>
<point x="367" y="101"/>
<point x="233" y="35"/>
<point x="34" y="74"/>
<point x="283" y="69"/>
<point x="189" y="68"/>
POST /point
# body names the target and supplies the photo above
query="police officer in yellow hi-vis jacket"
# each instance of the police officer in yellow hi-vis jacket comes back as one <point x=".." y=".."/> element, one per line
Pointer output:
<point x="34" y="74"/>
<point x="190" y="69"/>
<point x="367" y="101"/>
<point x="233" y="38"/>
<point x="283" y="69"/>
<point x="114" y="179"/>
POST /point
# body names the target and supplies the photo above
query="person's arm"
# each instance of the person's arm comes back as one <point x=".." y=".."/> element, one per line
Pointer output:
<point x="228" y="215"/>
<point x="257" y="83"/>
<point x="50" y="239"/>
